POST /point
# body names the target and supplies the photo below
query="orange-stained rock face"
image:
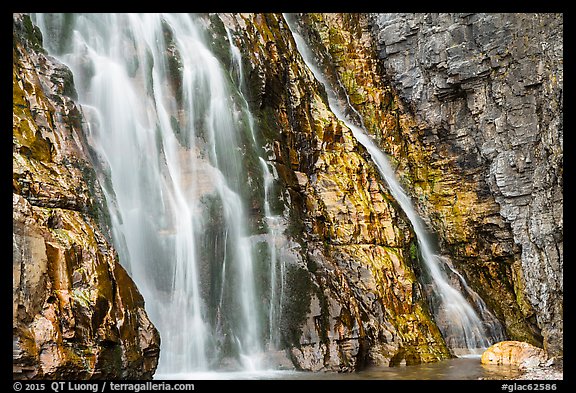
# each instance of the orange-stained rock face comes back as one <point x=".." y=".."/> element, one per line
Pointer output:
<point x="470" y="152"/>
<point x="489" y="111"/>
<point x="76" y="312"/>
<point x="459" y="152"/>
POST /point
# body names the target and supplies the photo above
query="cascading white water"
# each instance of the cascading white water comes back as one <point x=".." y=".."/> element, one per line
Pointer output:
<point x="162" y="122"/>
<point x="463" y="329"/>
<point x="277" y="267"/>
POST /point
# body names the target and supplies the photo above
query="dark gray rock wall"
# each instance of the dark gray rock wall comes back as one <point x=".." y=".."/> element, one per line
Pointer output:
<point x="491" y="86"/>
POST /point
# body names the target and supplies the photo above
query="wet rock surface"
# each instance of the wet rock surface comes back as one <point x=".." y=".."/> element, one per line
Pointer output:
<point x="471" y="120"/>
<point x="533" y="362"/>
<point x="515" y="353"/>
<point x="390" y="66"/>
<point x="76" y="312"/>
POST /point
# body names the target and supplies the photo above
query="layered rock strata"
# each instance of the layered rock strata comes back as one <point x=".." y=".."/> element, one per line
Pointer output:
<point x="471" y="120"/>
<point x="76" y="312"/>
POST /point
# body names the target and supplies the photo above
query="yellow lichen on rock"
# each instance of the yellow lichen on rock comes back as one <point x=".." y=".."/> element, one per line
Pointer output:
<point x="358" y="243"/>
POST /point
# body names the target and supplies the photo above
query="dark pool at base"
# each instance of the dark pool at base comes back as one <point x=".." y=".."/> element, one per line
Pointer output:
<point x="452" y="369"/>
<point x="464" y="368"/>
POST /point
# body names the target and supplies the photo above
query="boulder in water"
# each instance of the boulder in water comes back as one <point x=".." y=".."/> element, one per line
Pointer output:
<point x="514" y="353"/>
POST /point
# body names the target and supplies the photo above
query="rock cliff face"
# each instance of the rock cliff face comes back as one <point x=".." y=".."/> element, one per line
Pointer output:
<point x="473" y="121"/>
<point x="76" y="312"/>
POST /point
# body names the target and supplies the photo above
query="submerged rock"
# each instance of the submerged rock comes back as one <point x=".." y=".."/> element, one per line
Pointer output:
<point x="76" y="312"/>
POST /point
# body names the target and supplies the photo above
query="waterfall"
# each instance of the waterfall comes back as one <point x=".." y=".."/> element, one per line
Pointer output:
<point x="277" y="267"/>
<point x="162" y="121"/>
<point x="463" y="329"/>
<point x="166" y="132"/>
